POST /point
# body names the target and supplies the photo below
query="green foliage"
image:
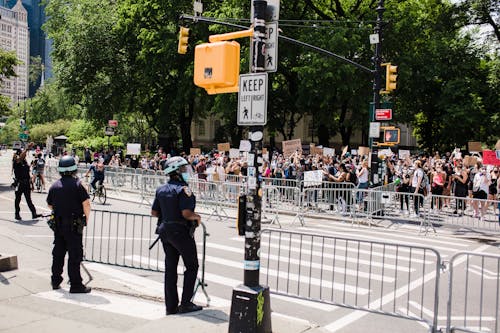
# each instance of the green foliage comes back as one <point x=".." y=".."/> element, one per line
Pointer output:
<point x="118" y="60"/>
<point x="8" y="61"/>
<point x="10" y="131"/>
<point x="39" y="133"/>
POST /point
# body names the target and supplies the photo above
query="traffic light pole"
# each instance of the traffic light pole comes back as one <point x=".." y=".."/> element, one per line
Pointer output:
<point x="250" y="305"/>
<point x="376" y="86"/>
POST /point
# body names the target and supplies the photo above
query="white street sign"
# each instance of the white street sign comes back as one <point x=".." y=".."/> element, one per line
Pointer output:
<point x="198" y="7"/>
<point x="374" y="39"/>
<point x="374" y="130"/>
<point x="271" y="47"/>
<point x="252" y="99"/>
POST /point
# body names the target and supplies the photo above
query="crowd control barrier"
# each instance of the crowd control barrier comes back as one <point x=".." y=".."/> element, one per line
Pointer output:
<point x="124" y="239"/>
<point x="385" y="278"/>
<point x="473" y="293"/>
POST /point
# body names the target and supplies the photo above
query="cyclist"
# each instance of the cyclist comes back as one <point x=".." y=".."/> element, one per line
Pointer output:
<point x="97" y="169"/>
<point x="38" y="167"/>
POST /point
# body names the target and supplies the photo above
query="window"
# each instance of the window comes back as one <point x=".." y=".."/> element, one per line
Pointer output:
<point x="201" y="128"/>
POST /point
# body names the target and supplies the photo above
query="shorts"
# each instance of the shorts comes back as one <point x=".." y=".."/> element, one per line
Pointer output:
<point x="479" y="194"/>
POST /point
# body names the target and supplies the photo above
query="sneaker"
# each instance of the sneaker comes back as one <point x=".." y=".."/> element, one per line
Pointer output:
<point x="189" y="307"/>
<point x="35" y="216"/>
<point x="55" y="286"/>
<point x="80" y="290"/>
<point x="18" y="217"/>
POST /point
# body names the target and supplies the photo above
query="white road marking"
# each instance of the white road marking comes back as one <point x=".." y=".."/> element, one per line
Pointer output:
<point x="341" y="258"/>
<point x="429" y="313"/>
<point x="380" y="239"/>
<point x="356" y="315"/>
<point x="325" y="267"/>
<point x="234" y="283"/>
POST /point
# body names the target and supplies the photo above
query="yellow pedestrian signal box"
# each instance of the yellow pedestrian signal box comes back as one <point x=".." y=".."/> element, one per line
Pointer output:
<point x="217" y="66"/>
<point x="391" y="136"/>
<point x="183" y="40"/>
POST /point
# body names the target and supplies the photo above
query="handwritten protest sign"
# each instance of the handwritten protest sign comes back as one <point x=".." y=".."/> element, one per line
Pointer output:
<point x="223" y="146"/>
<point x="194" y="151"/>
<point x="291" y="146"/>
<point x="475" y="146"/>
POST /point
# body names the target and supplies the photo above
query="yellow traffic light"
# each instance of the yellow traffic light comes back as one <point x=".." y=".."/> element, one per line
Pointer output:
<point x="217" y="67"/>
<point x="183" y="40"/>
<point x="391" y="75"/>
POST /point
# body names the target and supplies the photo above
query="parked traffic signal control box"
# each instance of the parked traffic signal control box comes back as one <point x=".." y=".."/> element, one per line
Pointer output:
<point x="217" y="66"/>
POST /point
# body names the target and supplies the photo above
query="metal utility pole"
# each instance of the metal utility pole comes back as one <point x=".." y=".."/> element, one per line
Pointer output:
<point x="376" y="85"/>
<point x="250" y="306"/>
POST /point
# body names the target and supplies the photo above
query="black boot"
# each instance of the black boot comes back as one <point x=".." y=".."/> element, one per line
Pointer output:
<point x="18" y="217"/>
<point x="80" y="290"/>
<point x="189" y="307"/>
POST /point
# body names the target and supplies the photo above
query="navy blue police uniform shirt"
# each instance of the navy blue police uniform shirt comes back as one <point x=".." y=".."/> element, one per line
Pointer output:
<point x="171" y="199"/>
<point x="66" y="196"/>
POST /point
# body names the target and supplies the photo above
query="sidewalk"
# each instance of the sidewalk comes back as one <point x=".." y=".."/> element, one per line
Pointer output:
<point x="129" y="303"/>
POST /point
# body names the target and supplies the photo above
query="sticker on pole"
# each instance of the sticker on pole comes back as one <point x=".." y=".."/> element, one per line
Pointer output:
<point x="252" y="100"/>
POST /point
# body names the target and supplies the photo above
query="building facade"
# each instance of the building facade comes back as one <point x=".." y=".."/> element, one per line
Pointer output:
<point x="203" y="132"/>
<point x="14" y="36"/>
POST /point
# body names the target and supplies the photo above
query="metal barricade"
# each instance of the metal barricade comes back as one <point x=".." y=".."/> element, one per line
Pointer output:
<point x="474" y="283"/>
<point x="338" y="201"/>
<point x="378" y="277"/>
<point x="464" y="212"/>
<point x="149" y="186"/>
<point x="123" y="239"/>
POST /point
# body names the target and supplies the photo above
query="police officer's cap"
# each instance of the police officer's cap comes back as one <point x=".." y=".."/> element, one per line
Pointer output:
<point x="173" y="164"/>
<point x="67" y="164"/>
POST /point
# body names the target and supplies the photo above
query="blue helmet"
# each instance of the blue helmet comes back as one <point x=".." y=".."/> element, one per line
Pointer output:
<point x="67" y="164"/>
<point x="174" y="164"/>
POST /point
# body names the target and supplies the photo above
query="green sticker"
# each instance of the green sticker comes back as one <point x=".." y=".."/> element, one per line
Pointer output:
<point x="260" y="308"/>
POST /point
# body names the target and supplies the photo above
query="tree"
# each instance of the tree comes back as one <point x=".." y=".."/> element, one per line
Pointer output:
<point x="8" y="61"/>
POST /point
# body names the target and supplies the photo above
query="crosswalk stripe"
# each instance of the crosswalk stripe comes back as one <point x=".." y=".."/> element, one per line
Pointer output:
<point x="230" y="282"/>
<point x="373" y="253"/>
<point x="214" y="278"/>
<point x="380" y="239"/>
<point x="439" y="239"/>
<point x="337" y="257"/>
<point x="324" y="267"/>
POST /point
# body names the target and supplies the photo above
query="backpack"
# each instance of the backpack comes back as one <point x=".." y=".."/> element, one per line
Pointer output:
<point x="40" y="163"/>
<point x="425" y="181"/>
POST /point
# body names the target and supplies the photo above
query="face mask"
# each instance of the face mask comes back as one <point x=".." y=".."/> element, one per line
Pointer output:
<point x="185" y="176"/>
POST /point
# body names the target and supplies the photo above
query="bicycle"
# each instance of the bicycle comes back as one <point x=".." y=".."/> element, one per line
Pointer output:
<point x="38" y="183"/>
<point x="99" y="192"/>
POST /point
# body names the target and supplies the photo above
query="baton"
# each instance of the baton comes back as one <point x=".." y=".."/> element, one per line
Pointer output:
<point x="154" y="243"/>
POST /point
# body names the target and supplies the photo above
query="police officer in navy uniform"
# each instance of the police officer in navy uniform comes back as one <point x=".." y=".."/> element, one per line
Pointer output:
<point x="21" y="170"/>
<point x="70" y="204"/>
<point x="174" y="206"/>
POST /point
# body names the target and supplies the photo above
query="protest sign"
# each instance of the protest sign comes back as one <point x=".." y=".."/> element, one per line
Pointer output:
<point x="133" y="148"/>
<point x="312" y="178"/>
<point x="223" y="147"/>
<point x="291" y="146"/>
<point x="475" y="146"/>
<point x="194" y="151"/>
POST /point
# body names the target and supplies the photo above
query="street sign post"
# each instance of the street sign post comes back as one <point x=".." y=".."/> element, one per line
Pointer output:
<point x="252" y="99"/>
<point x="383" y="114"/>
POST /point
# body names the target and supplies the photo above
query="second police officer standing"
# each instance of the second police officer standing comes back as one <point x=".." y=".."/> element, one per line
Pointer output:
<point x="174" y="206"/>
<point x="70" y="204"/>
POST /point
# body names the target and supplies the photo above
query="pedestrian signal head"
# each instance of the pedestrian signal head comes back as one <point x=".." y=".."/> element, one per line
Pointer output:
<point x="67" y="165"/>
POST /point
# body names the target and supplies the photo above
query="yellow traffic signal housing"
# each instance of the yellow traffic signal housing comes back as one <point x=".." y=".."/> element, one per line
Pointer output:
<point x="391" y="75"/>
<point x="217" y="66"/>
<point x="183" y="40"/>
